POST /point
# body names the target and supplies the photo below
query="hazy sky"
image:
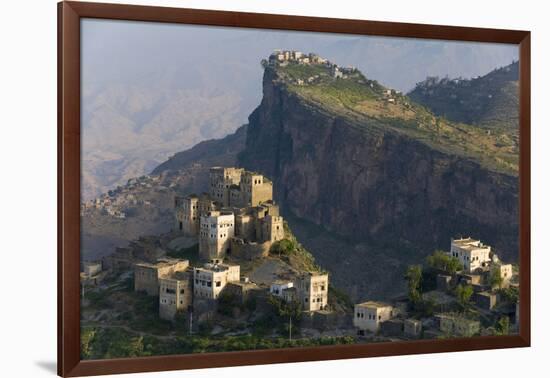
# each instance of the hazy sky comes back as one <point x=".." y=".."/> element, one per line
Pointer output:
<point x="129" y="51"/>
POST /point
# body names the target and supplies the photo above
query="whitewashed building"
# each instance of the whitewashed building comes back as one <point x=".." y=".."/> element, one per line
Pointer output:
<point x="210" y="280"/>
<point x="369" y="315"/>
<point x="277" y="287"/>
<point x="471" y="253"/>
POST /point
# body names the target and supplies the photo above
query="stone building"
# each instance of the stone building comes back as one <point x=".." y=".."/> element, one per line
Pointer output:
<point x="210" y="280"/>
<point x="188" y="211"/>
<point x="242" y="290"/>
<point x="412" y="328"/>
<point x="471" y="253"/>
<point x="486" y="300"/>
<point x="369" y="315"/>
<point x="175" y="294"/>
<point x="252" y="190"/>
<point x="146" y="275"/>
<point x="187" y="215"/>
<point x="278" y="286"/>
<point x="221" y="180"/>
<point x="216" y="230"/>
<point x="457" y="325"/>
<point x="505" y="271"/>
<point x="312" y="289"/>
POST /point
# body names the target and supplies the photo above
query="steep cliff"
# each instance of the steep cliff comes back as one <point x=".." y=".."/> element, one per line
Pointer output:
<point x="368" y="177"/>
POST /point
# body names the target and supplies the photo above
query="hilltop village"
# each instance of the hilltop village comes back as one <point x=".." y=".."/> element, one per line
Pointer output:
<point x="237" y="223"/>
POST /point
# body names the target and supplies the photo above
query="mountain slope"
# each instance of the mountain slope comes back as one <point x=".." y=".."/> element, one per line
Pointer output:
<point x="489" y="101"/>
<point x="345" y="158"/>
<point x="215" y="152"/>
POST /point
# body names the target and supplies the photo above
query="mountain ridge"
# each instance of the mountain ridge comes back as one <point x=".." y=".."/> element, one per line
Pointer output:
<point x="488" y="101"/>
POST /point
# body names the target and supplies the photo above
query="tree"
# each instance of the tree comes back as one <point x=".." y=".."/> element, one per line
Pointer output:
<point x="287" y="312"/>
<point x="495" y="279"/>
<point x="284" y="247"/>
<point x="510" y="295"/>
<point x="440" y="260"/>
<point x="464" y="294"/>
<point x="414" y="278"/>
<point x="502" y="326"/>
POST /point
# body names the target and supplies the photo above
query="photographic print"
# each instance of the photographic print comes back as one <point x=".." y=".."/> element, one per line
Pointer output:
<point x="254" y="189"/>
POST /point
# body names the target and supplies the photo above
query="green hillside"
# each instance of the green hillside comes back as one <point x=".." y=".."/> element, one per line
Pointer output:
<point x="490" y="101"/>
<point x="369" y="105"/>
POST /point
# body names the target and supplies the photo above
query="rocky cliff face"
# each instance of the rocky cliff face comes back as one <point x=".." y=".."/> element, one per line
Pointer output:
<point x="371" y="182"/>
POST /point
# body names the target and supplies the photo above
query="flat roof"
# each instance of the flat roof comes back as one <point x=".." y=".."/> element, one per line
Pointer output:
<point x="374" y="304"/>
<point x="469" y="243"/>
<point x="217" y="267"/>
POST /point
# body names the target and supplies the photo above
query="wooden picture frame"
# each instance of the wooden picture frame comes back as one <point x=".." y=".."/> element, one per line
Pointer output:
<point x="69" y="16"/>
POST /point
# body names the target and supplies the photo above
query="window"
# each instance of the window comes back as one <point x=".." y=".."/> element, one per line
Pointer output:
<point x="322" y="287"/>
<point x="305" y="300"/>
<point x="170" y="291"/>
<point x="209" y="284"/>
<point x="218" y="283"/>
<point x="358" y="315"/>
<point x="182" y="291"/>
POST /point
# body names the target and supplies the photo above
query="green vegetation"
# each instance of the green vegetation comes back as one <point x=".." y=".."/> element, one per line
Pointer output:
<point x="495" y="279"/>
<point x="145" y="317"/>
<point x="509" y="295"/>
<point x="414" y="283"/>
<point x="114" y="342"/>
<point x="369" y="106"/>
<point x="502" y="326"/>
<point x="463" y="295"/>
<point x="441" y="261"/>
<point x="490" y="101"/>
<point x="284" y="247"/>
<point x="293" y="253"/>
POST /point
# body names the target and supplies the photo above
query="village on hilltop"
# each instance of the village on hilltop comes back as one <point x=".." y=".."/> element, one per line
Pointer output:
<point x="237" y="223"/>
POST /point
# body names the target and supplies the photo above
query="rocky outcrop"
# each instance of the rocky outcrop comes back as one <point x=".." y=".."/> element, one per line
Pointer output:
<point x="370" y="182"/>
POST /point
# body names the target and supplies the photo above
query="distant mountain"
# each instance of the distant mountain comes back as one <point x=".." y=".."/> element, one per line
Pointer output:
<point x="210" y="153"/>
<point x="489" y="101"/>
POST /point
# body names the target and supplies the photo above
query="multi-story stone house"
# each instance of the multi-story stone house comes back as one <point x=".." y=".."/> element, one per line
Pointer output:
<point x="210" y="280"/>
<point x="369" y="315"/>
<point x="216" y="230"/>
<point x="221" y="180"/>
<point x="312" y="290"/>
<point x="146" y="276"/>
<point x="188" y="211"/>
<point x="175" y="294"/>
<point x="237" y="212"/>
<point x="187" y="214"/>
<point x="471" y="253"/>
